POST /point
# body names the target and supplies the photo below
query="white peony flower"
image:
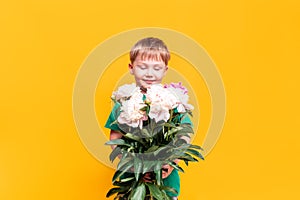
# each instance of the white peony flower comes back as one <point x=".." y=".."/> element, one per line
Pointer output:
<point x="130" y="111"/>
<point x="161" y="101"/>
<point x="124" y="91"/>
<point x="181" y="93"/>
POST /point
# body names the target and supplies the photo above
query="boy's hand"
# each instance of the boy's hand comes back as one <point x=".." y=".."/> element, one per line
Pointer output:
<point x="166" y="171"/>
<point x="113" y="136"/>
<point x="147" y="177"/>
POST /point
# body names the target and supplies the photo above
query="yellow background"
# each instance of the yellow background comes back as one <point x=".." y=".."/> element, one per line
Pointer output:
<point x="255" y="45"/>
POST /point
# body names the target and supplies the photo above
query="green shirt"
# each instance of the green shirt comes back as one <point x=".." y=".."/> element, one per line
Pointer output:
<point x="173" y="179"/>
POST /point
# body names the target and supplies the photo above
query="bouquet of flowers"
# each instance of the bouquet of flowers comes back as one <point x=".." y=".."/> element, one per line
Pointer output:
<point x="155" y="132"/>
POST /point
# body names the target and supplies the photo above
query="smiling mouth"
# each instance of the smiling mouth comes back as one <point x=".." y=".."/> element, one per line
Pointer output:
<point x="148" y="81"/>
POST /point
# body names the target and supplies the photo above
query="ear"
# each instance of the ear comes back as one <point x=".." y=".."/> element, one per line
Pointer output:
<point x="166" y="70"/>
<point x="130" y="67"/>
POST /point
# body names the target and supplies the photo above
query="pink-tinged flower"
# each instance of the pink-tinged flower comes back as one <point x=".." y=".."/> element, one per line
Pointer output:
<point x="181" y="93"/>
<point x="131" y="113"/>
<point x="162" y="101"/>
<point x="177" y="86"/>
<point x="124" y="91"/>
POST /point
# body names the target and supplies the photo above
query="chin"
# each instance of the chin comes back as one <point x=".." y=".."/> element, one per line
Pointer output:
<point x="147" y="85"/>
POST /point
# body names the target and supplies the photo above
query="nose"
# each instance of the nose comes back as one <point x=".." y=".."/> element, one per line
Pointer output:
<point x="149" y="73"/>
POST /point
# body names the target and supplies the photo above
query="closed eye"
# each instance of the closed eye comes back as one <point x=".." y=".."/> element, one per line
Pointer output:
<point x="142" y="67"/>
<point x="157" y="68"/>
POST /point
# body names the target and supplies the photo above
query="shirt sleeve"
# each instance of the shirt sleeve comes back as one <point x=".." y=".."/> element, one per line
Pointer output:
<point x="185" y="119"/>
<point x="173" y="181"/>
<point x="113" y="117"/>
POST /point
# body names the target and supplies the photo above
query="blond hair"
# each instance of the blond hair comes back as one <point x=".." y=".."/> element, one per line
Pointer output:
<point x="150" y="48"/>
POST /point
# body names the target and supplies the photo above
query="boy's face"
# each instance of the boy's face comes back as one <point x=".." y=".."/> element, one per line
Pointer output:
<point x="147" y="72"/>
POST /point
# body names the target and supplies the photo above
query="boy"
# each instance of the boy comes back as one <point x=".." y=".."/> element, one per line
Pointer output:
<point x="149" y="63"/>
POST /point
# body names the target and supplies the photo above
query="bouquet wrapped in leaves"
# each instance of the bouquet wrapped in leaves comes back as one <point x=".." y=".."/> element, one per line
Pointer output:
<point x="155" y="132"/>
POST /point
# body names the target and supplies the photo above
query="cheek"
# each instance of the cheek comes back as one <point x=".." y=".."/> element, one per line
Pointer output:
<point x="160" y="75"/>
<point x="138" y="73"/>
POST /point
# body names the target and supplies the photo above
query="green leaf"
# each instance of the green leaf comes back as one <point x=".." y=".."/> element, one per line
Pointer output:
<point x="139" y="193"/>
<point x="176" y="166"/>
<point x="173" y="131"/>
<point x="114" y="153"/>
<point x="124" y="182"/>
<point x="186" y="129"/>
<point x="129" y="179"/>
<point x="184" y="146"/>
<point x="195" y="153"/>
<point x="144" y="108"/>
<point x="120" y="172"/>
<point x="125" y="159"/>
<point x="195" y="147"/>
<point x="117" y="142"/>
<point x="169" y="189"/>
<point x="180" y="142"/>
<point x="116" y="175"/>
<point x="138" y="166"/>
<point x="186" y="162"/>
<point x="152" y="149"/>
<point x="188" y="157"/>
<point x="146" y="132"/>
<point x="121" y="189"/>
<point x="161" y="150"/>
<point x="169" y="125"/>
<point x="133" y="137"/>
<point x="155" y="191"/>
<point x="157" y="171"/>
<point x="148" y="166"/>
<point x="113" y="191"/>
<point x="181" y="134"/>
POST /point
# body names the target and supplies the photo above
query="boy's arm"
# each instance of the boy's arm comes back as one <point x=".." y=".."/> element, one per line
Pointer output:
<point x="113" y="136"/>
